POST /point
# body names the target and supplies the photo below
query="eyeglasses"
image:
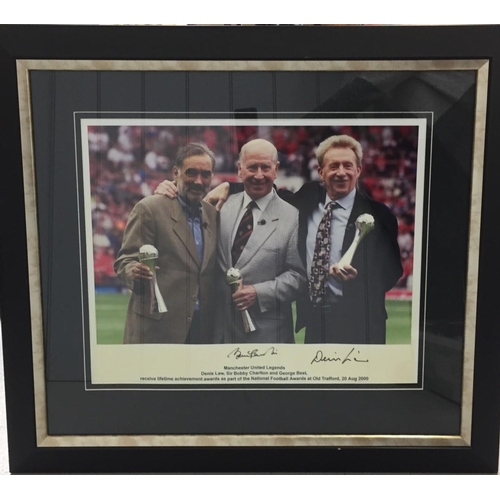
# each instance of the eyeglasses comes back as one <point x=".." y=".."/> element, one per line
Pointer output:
<point x="193" y="173"/>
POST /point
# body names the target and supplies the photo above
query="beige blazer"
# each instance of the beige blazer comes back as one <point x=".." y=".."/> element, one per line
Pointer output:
<point x="160" y="221"/>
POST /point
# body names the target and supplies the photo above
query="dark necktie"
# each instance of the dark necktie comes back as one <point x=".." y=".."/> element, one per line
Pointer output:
<point x="321" y="258"/>
<point x="243" y="233"/>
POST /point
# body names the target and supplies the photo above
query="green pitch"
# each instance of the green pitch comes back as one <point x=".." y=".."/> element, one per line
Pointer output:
<point x="111" y="310"/>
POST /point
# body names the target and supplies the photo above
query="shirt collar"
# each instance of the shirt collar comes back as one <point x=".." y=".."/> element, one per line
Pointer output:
<point x="261" y="202"/>
<point x="346" y="202"/>
<point x="193" y="211"/>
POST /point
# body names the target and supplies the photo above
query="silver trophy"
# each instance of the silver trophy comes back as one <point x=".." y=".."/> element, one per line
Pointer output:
<point x="364" y="224"/>
<point x="234" y="280"/>
<point x="148" y="255"/>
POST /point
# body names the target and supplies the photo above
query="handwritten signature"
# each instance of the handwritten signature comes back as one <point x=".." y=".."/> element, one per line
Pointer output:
<point x="236" y="353"/>
<point x="320" y="357"/>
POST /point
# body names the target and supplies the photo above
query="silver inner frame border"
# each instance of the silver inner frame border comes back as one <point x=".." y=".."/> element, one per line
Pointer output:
<point x="481" y="67"/>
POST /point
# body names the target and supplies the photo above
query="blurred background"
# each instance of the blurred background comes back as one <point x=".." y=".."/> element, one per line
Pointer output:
<point x="128" y="162"/>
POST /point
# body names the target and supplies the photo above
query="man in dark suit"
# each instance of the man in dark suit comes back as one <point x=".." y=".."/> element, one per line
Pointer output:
<point x="350" y="304"/>
<point x="350" y="307"/>
<point x="184" y="231"/>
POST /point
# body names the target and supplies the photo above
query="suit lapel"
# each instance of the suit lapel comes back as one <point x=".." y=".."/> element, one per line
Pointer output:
<point x="261" y="232"/>
<point x="229" y="214"/>
<point x="357" y="210"/>
<point x="307" y="201"/>
<point x="183" y="231"/>
<point x="209" y="237"/>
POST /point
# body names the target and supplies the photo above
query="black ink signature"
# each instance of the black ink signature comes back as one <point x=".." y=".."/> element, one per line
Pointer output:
<point x="321" y="357"/>
<point x="236" y="353"/>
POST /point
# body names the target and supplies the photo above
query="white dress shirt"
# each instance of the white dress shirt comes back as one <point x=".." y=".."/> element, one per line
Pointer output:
<point x="256" y="212"/>
<point x="340" y="216"/>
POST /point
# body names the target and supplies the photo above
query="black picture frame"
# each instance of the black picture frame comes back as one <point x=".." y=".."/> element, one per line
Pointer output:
<point x="295" y="45"/>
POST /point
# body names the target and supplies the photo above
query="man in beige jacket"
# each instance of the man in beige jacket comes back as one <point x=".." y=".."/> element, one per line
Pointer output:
<point x="184" y="231"/>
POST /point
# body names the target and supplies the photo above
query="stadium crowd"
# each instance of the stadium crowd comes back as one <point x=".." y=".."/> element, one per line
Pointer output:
<point x="128" y="162"/>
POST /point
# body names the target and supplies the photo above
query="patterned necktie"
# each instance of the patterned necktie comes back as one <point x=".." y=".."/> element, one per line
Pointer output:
<point x="243" y="233"/>
<point x="321" y="258"/>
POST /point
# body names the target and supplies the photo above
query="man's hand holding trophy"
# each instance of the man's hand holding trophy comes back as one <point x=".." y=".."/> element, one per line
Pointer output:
<point x="234" y="280"/>
<point x="148" y="255"/>
<point x="342" y="270"/>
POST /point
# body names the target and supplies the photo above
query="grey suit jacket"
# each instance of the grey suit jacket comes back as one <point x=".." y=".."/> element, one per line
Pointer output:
<point x="160" y="221"/>
<point x="271" y="263"/>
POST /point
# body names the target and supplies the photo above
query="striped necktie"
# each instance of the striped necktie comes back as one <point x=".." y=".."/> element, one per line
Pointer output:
<point x="243" y="233"/>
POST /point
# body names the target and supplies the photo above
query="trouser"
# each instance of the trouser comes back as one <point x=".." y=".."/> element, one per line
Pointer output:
<point x="195" y="334"/>
<point x="329" y="324"/>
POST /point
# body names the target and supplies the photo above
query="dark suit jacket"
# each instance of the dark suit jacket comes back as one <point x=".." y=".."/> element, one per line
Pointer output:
<point x="377" y="261"/>
<point x="160" y="221"/>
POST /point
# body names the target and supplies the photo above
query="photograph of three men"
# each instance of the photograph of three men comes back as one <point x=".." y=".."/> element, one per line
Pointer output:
<point x="255" y="232"/>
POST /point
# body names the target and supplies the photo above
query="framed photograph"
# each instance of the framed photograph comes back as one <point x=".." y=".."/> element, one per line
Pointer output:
<point x="272" y="254"/>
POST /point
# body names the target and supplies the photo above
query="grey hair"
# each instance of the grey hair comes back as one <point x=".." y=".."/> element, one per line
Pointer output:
<point x="193" y="149"/>
<point x="243" y="148"/>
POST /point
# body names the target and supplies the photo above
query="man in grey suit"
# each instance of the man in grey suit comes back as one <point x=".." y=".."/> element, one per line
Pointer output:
<point x="258" y="235"/>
